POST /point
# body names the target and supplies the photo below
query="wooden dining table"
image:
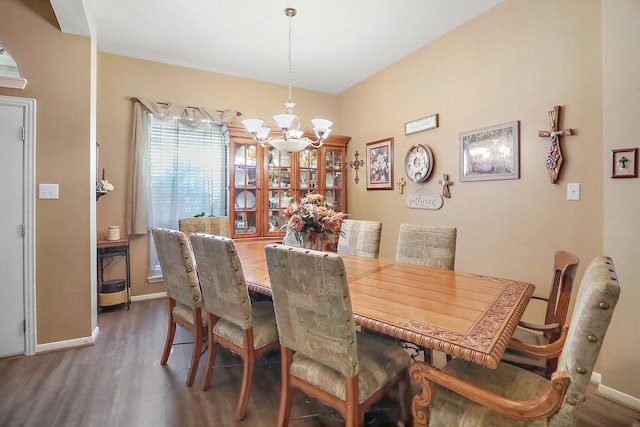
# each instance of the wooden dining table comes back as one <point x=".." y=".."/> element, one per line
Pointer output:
<point x="465" y="315"/>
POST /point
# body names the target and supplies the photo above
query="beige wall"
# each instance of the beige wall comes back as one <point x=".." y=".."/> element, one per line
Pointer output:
<point x="503" y="66"/>
<point x="515" y="62"/>
<point x="57" y="67"/>
<point x="621" y="83"/>
<point x="511" y="64"/>
<point x="120" y="78"/>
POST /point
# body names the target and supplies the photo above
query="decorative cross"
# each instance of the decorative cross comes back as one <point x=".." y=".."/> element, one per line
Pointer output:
<point x="356" y="165"/>
<point x="445" y="185"/>
<point x="623" y="162"/>
<point x="401" y="183"/>
<point x="554" y="155"/>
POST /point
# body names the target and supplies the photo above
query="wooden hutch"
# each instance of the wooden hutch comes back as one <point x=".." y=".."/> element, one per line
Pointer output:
<point x="263" y="182"/>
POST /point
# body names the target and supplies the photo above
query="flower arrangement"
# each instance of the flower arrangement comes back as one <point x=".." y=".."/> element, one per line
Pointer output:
<point x="313" y="217"/>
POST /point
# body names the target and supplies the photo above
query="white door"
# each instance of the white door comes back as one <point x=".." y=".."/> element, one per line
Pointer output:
<point x="12" y="219"/>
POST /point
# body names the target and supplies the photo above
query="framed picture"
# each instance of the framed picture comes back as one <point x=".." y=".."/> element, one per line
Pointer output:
<point x="490" y="153"/>
<point x="380" y="165"/>
<point x="624" y="163"/>
<point x="419" y="125"/>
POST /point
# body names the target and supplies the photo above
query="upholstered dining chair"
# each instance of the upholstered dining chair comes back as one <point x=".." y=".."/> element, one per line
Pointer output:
<point x="322" y="354"/>
<point x="183" y="290"/>
<point x="427" y="245"/>
<point x="246" y="329"/>
<point x="464" y="393"/>
<point x="359" y="237"/>
<point x="565" y="266"/>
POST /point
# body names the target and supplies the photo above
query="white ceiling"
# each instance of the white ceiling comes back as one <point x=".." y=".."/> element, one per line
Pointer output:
<point x="335" y="43"/>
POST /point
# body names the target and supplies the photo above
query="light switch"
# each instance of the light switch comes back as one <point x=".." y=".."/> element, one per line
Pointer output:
<point x="573" y="191"/>
<point x="48" y="191"/>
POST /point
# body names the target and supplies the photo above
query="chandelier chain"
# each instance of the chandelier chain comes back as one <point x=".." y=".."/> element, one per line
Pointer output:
<point x="290" y="59"/>
<point x="291" y="139"/>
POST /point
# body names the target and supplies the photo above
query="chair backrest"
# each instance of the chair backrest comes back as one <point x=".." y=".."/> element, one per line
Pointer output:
<point x="178" y="267"/>
<point x="565" y="266"/>
<point x="313" y="306"/>
<point x="360" y="238"/>
<point x="596" y="301"/>
<point x="219" y="225"/>
<point x="222" y="279"/>
<point x="427" y="245"/>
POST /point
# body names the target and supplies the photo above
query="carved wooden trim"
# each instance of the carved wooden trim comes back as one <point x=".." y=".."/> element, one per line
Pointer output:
<point x="542" y="407"/>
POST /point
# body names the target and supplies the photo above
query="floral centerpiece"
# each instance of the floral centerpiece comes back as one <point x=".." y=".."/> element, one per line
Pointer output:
<point x="312" y="218"/>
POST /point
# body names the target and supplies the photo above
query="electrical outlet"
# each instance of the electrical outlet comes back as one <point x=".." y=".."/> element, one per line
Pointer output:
<point x="573" y="191"/>
<point x="48" y="191"/>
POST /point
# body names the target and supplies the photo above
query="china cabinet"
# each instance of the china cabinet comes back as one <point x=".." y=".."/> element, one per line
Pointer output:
<point x="263" y="182"/>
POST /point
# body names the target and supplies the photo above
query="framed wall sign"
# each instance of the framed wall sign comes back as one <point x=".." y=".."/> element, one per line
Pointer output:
<point x="490" y="153"/>
<point x="624" y="163"/>
<point x="419" y="125"/>
<point x="380" y="165"/>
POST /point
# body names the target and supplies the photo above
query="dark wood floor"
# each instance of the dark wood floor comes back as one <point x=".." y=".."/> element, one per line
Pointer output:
<point x="119" y="382"/>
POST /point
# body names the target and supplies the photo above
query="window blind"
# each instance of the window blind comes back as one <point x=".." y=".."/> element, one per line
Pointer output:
<point x="187" y="174"/>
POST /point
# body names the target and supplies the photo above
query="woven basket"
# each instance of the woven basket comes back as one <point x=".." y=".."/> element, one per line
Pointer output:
<point x="113" y="292"/>
<point x="113" y="299"/>
<point x="218" y="226"/>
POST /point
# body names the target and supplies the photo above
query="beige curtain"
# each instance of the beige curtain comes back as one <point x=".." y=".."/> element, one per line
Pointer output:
<point x="138" y="194"/>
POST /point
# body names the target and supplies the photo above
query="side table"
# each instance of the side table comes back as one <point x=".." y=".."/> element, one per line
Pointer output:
<point x="116" y="291"/>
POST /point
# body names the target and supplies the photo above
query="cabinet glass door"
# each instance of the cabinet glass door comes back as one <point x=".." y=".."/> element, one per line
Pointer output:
<point x="279" y="188"/>
<point x="333" y="178"/>
<point x="307" y="172"/>
<point x="245" y="188"/>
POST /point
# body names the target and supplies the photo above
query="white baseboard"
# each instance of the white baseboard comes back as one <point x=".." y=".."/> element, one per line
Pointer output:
<point x="148" y="296"/>
<point x="63" y="345"/>
<point x="618" y="397"/>
<point x="615" y="395"/>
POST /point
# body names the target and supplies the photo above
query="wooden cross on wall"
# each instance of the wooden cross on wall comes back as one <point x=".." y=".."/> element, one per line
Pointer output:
<point x="554" y="155"/>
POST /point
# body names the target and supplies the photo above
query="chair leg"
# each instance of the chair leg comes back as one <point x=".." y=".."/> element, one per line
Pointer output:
<point x="171" y="332"/>
<point x="249" y="360"/>
<point x="285" y="389"/>
<point x="197" y="347"/>
<point x="211" y="356"/>
<point x="352" y="413"/>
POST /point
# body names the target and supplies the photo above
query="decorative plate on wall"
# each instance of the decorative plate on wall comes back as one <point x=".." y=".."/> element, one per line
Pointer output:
<point x="418" y="163"/>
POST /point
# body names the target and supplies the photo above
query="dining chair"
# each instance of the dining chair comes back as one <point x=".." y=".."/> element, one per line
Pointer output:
<point x="219" y="225"/>
<point x="322" y="354"/>
<point x="183" y="290"/>
<point x="358" y="237"/>
<point x="464" y="393"/>
<point x="236" y="324"/>
<point x="427" y="245"/>
<point x="565" y="266"/>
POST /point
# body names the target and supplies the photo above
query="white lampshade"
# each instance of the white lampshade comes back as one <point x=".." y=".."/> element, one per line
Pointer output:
<point x="284" y="121"/>
<point x="290" y="146"/>
<point x="263" y="133"/>
<point x="253" y="125"/>
<point x="322" y="133"/>
<point x="321" y="124"/>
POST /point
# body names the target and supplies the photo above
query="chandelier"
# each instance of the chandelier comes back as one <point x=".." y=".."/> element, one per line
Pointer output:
<point x="291" y="138"/>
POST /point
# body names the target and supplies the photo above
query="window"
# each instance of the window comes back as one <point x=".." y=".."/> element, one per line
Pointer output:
<point x="187" y="174"/>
